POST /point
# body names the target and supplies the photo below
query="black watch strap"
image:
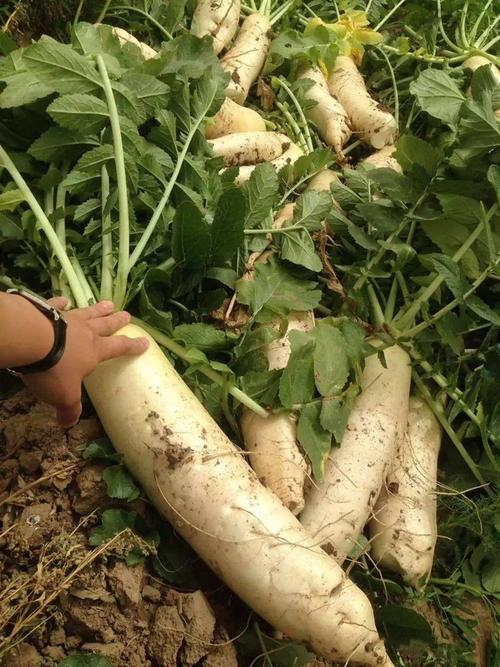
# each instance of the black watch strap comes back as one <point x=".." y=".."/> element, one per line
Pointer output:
<point x="59" y="345"/>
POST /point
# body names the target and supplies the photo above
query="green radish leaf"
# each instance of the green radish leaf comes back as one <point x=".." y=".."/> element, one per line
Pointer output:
<point x="60" y="68"/>
<point x="79" y="182"/>
<point x="297" y="380"/>
<point x="205" y="337"/>
<point x="311" y="209"/>
<point x="21" y="89"/>
<point x="313" y="438"/>
<point x="119" y="483"/>
<point x="438" y="95"/>
<point x="404" y="625"/>
<point x="10" y="200"/>
<point x="344" y="195"/>
<point x="335" y="413"/>
<point x="494" y="178"/>
<point x="262" y="385"/>
<point x="87" y="209"/>
<point x="151" y="300"/>
<point x="480" y="308"/>
<point x="227" y="227"/>
<point x="412" y="151"/>
<point x="82" y="113"/>
<point x="384" y="219"/>
<point x="227" y="277"/>
<point x="396" y="186"/>
<point x="7" y="44"/>
<point x="261" y="192"/>
<point x="275" y="288"/>
<point x="191" y="237"/>
<point x="453" y="277"/>
<point x="112" y="522"/>
<point x="331" y="363"/>
<point x="478" y="129"/>
<point x="93" y="160"/>
<point x="101" y="449"/>
<point x="92" y="39"/>
<point x="86" y="660"/>
<point x="149" y="90"/>
<point x="298" y="247"/>
<point x="57" y="143"/>
<point x="9" y="230"/>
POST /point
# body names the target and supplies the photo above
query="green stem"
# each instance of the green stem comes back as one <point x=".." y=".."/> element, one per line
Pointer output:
<point x="183" y="354"/>
<point x="457" y="584"/>
<point x="279" y="13"/>
<point x="463" y="18"/>
<point x="388" y="15"/>
<point x="106" y="291"/>
<point x="78" y="12"/>
<point x="437" y="409"/>
<point x="377" y="312"/>
<point x="414" y="331"/>
<point x="103" y="12"/>
<point x="300" y="111"/>
<point x="121" y="176"/>
<point x="394" y="86"/>
<point x="167" y="264"/>
<point x="406" y="317"/>
<point x="479" y="19"/>
<point x="146" y="235"/>
<point x="89" y="294"/>
<point x="153" y="21"/>
<point x="484" y="35"/>
<point x="299" y="135"/>
<point x="47" y="228"/>
<point x="448" y="41"/>
<point x="271" y="230"/>
<point x="391" y="301"/>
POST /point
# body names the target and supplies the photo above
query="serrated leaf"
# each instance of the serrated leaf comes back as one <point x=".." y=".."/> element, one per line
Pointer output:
<point x="21" y="89"/>
<point x="438" y="95"/>
<point x="404" y="625"/>
<point x="260" y="191"/>
<point x="191" y="236"/>
<point x="297" y="380"/>
<point x="311" y="209"/>
<point x="149" y="90"/>
<point x="78" y="181"/>
<point x="227" y="227"/>
<point x="315" y="441"/>
<point x="276" y="288"/>
<point x="11" y="199"/>
<point x="58" y="143"/>
<point x="93" y="160"/>
<point x="453" y="277"/>
<point x="204" y="336"/>
<point x="101" y="449"/>
<point x="331" y="363"/>
<point x="493" y="175"/>
<point x="119" y="483"/>
<point x="85" y="210"/>
<point x="412" y="151"/>
<point x="335" y="413"/>
<point x="297" y="247"/>
<point x="85" y="114"/>
<point x="113" y="521"/>
<point x="60" y="67"/>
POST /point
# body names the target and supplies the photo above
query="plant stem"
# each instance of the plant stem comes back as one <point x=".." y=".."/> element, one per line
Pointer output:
<point x="271" y="230"/>
<point x="406" y="317"/>
<point x="89" y="294"/>
<point x="378" y="314"/>
<point x="182" y="353"/>
<point x="103" y="12"/>
<point x="47" y="228"/>
<point x="394" y="86"/>
<point x="121" y="176"/>
<point x="106" y="291"/>
<point x="147" y="16"/>
<point x="388" y="15"/>
<point x="457" y="584"/>
<point x="167" y="264"/>
<point x="479" y="19"/>
<point x="299" y="135"/>
<point x="414" y="331"/>
<point x="300" y="111"/>
<point x="448" y="41"/>
<point x="437" y="409"/>
<point x="146" y="235"/>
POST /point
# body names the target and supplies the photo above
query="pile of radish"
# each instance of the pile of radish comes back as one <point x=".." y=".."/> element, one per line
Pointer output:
<point x="277" y="518"/>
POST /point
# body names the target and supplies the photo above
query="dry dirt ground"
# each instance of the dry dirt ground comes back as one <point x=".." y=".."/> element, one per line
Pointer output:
<point x="59" y="595"/>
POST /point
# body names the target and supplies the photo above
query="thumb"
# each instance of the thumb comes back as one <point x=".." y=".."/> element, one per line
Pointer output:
<point x="68" y="415"/>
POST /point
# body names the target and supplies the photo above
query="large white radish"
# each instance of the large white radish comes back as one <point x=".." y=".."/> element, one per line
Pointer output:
<point x="290" y="156"/>
<point x="201" y="483"/>
<point x="245" y="60"/>
<point x="328" y="114"/>
<point x="126" y="38"/>
<point x="403" y="529"/>
<point x="275" y="454"/>
<point x="242" y="148"/>
<point x="383" y="159"/>
<point x="217" y="18"/>
<point x="368" y="119"/>
<point x="337" y="509"/>
<point x="231" y="118"/>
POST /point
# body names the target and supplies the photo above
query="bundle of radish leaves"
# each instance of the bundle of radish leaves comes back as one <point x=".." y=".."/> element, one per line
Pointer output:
<point x="302" y="293"/>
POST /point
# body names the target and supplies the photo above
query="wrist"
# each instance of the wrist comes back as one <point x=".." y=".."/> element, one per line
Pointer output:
<point x="27" y="334"/>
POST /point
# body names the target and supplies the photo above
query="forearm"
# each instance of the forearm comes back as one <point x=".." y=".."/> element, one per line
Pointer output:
<point x="26" y="334"/>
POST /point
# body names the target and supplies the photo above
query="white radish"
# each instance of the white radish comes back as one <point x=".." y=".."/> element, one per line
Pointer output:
<point x="245" y="60"/>
<point x="201" y="483"/>
<point x="290" y="156"/>
<point x="126" y="38"/>
<point x="328" y="114"/>
<point x="337" y="509"/>
<point x="383" y="159"/>
<point x="369" y="120"/>
<point x="403" y="529"/>
<point x="231" y="118"/>
<point x="217" y="18"/>
<point x="322" y="180"/>
<point x="251" y="148"/>
<point x="475" y="62"/>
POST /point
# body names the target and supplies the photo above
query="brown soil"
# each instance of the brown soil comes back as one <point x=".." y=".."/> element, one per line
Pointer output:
<point x="59" y="595"/>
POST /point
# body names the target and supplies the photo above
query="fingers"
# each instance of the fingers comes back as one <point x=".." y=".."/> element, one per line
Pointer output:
<point x="68" y="415"/>
<point x="105" y="326"/>
<point x="100" y="309"/>
<point x="59" y="302"/>
<point x="119" y="346"/>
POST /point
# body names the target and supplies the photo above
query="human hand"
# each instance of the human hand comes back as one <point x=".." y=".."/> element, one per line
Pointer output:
<point x="89" y="341"/>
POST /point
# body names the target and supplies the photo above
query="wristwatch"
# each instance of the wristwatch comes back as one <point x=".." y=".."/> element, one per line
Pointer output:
<point x="59" y="345"/>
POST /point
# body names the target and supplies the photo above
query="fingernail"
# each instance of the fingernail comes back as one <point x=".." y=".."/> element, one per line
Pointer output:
<point x="106" y="305"/>
<point x="144" y="342"/>
<point x="125" y="316"/>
